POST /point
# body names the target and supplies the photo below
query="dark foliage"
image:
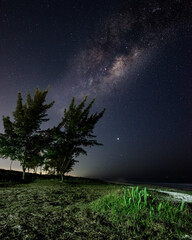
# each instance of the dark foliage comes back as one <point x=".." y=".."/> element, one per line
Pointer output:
<point x="73" y="133"/>
<point x="22" y="139"/>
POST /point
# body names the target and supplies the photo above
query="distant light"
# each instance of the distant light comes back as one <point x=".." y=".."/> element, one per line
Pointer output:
<point x="118" y="138"/>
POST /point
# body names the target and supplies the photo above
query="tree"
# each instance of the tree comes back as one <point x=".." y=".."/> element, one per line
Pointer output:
<point x="23" y="139"/>
<point x="74" y="132"/>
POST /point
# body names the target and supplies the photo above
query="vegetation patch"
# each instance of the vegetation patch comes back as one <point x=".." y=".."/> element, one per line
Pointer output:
<point x="144" y="214"/>
<point x="88" y="209"/>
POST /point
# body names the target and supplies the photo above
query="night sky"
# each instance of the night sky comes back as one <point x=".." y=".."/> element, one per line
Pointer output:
<point x="134" y="56"/>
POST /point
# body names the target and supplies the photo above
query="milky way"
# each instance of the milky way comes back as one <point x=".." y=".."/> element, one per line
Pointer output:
<point x="123" y="41"/>
<point x="134" y="56"/>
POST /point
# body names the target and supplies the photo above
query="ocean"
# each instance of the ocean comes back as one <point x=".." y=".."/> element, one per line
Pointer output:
<point x="174" y="185"/>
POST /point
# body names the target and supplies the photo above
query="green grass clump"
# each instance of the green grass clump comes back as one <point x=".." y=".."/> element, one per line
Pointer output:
<point x="150" y="217"/>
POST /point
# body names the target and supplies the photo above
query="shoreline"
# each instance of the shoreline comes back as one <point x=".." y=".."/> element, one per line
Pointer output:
<point x="170" y="185"/>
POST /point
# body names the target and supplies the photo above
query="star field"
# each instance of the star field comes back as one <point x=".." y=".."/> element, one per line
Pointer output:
<point x="133" y="56"/>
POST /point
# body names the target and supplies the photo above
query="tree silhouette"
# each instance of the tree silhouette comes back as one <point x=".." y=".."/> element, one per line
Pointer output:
<point x="74" y="132"/>
<point x="22" y="139"/>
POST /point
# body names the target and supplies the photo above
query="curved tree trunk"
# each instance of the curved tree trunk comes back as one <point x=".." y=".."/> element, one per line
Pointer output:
<point x="66" y="166"/>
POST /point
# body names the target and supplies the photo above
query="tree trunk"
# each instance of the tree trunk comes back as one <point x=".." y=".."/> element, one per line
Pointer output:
<point x="11" y="164"/>
<point x="23" y="177"/>
<point x="62" y="177"/>
<point x="66" y="166"/>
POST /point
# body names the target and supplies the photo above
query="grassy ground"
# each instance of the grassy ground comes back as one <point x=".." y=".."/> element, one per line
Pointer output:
<point x="88" y="209"/>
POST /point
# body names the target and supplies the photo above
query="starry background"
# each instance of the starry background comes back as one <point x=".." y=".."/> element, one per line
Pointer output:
<point x="133" y="56"/>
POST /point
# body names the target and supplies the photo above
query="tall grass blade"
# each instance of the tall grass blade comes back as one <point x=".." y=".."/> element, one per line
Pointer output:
<point x="182" y="206"/>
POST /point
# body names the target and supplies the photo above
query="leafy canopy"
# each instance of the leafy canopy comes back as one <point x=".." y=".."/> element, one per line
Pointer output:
<point x="74" y="132"/>
<point x="22" y="138"/>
